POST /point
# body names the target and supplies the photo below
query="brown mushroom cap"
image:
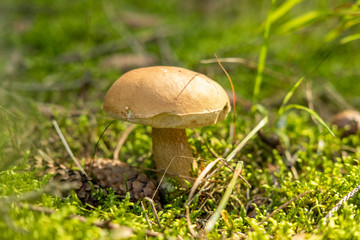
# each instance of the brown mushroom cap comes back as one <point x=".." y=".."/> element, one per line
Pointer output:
<point x="167" y="97"/>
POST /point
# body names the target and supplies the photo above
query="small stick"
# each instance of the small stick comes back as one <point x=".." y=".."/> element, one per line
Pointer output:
<point x="284" y="206"/>
<point x="340" y="203"/>
<point x="146" y="216"/>
<point x="67" y="147"/>
<point x="153" y="209"/>
<point x="122" y="141"/>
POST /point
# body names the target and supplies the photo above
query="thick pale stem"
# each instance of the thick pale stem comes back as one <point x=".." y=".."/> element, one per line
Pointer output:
<point x="172" y="144"/>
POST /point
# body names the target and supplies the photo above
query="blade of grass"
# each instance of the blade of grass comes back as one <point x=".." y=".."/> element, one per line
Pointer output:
<point x="350" y="38"/>
<point x="8" y="112"/>
<point x="289" y="95"/>
<point x="301" y="21"/>
<point x="283" y="9"/>
<point x="224" y="200"/>
<point x="261" y="124"/>
<point x="312" y="113"/>
<point x="263" y="53"/>
<point x="96" y="146"/>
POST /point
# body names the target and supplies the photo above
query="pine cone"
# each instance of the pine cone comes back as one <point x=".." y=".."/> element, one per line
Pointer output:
<point x="107" y="173"/>
<point x="82" y="184"/>
<point x="112" y="173"/>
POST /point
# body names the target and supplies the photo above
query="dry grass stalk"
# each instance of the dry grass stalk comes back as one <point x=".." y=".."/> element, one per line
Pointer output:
<point x="63" y="140"/>
<point x="284" y="206"/>
<point x="122" y="140"/>
<point x="341" y="202"/>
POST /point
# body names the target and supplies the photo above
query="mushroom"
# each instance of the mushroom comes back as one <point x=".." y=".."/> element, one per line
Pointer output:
<point x="348" y="121"/>
<point x="169" y="99"/>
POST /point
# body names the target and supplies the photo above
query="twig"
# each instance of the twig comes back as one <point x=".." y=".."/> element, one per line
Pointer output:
<point x="284" y="206"/>
<point x="341" y="202"/>
<point x="67" y="147"/>
<point x="146" y="216"/>
<point x="153" y="209"/>
<point x="122" y="141"/>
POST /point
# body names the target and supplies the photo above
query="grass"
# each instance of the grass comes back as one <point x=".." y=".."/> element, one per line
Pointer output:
<point x="59" y="58"/>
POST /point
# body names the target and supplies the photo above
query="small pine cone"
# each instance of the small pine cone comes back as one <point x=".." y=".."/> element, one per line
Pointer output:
<point x="113" y="173"/>
<point x="82" y="184"/>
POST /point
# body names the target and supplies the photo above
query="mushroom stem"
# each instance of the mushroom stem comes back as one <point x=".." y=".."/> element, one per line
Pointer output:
<point x="172" y="144"/>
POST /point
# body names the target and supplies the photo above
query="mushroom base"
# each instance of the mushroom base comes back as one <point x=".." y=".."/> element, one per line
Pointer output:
<point x="171" y="150"/>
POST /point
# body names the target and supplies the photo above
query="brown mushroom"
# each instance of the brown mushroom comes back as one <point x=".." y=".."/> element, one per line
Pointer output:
<point x="169" y="99"/>
<point x="348" y="121"/>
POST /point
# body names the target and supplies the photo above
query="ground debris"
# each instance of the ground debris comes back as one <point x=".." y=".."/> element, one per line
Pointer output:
<point x="106" y="173"/>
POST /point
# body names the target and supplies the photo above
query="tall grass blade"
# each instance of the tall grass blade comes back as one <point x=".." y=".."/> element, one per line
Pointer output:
<point x="263" y="53"/>
<point x="289" y="95"/>
<point x="312" y="113"/>
<point x="262" y="123"/>
<point x="283" y="9"/>
<point x="350" y="38"/>
<point x="301" y="21"/>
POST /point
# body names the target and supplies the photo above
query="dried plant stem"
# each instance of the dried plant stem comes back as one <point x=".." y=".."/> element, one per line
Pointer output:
<point x="8" y="112"/>
<point x="341" y="202"/>
<point x="234" y="97"/>
<point x="192" y="192"/>
<point x="149" y="200"/>
<point x="122" y="140"/>
<point x="146" y="216"/>
<point x="224" y="200"/>
<point x="284" y="206"/>
<point x="63" y="140"/>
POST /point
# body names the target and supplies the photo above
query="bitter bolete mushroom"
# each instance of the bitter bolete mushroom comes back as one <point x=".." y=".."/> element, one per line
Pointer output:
<point x="169" y="99"/>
